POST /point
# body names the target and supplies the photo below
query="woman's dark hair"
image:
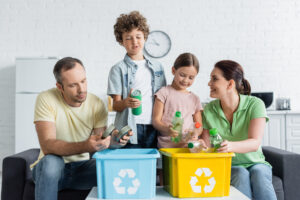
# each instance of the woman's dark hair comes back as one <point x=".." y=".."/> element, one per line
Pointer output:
<point x="186" y="59"/>
<point x="233" y="70"/>
<point x="64" y="64"/>
<point x="128" y="22"/>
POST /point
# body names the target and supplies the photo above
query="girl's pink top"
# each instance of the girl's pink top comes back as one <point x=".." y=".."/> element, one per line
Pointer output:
<point x="186" y="102"/>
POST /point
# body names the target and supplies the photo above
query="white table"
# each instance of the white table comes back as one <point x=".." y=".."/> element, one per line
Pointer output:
<point x="161" y="194"/>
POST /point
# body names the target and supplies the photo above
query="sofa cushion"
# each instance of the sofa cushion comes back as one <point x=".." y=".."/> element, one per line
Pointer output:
<point x="62" y="195"/>
<point x="278" y="187"/>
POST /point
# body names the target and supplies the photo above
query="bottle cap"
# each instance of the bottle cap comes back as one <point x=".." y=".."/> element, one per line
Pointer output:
<point x="198" y="125"/>
<point x="178" y="114"/>
<point x="213" y="131"/>
<point x="190" y="145"/>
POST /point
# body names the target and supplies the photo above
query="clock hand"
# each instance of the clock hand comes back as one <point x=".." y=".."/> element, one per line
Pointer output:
<point x="156" y="43"/>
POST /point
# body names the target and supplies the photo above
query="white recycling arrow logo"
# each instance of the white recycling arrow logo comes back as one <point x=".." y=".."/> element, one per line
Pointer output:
<point x="194" y="180"/>
<point x="118" y="180"/>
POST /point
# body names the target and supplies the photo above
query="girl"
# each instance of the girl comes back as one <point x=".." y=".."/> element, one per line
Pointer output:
<point x="240" y="120"/>
<point x="176" y="97"/>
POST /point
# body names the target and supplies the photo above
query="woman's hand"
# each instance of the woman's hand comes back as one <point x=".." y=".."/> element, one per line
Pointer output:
<point x="226" y="147"/>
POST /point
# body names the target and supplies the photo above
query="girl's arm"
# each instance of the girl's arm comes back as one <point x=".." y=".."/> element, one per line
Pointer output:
<point x="158" y="110"/>
<point x="205" y="137"/>
<point x="255" y="135"/>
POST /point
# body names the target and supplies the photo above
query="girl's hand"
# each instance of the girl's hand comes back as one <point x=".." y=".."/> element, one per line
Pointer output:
<point x="194" y="137"/>
<point x="172" y="132"/>
<point x="226" y="147"/>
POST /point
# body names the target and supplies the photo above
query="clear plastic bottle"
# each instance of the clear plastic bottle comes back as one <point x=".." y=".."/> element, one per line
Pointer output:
<point x="215" y="139"/>
<point x="195" y="147"/>
<point x="177" y="123"/>
<point x="190" y="132"/>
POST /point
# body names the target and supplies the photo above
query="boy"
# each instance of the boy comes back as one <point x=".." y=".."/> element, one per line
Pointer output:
<point x="135" y="71"/>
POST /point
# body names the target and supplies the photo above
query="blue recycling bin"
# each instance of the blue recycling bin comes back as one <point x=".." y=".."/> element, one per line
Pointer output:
<point x="126" y="173"/>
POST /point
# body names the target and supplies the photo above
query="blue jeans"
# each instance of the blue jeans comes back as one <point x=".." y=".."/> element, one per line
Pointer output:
<point x="51" y="175"/>
<point x="255" y="181"/>
<point x="147" y="137"/>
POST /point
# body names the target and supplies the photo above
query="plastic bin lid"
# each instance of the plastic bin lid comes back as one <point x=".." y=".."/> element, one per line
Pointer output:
<point x="112" y="154"/>
<point x="185" y="153"/>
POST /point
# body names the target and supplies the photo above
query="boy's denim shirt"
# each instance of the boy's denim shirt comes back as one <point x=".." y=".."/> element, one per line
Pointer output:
<point x="121" y="79"/>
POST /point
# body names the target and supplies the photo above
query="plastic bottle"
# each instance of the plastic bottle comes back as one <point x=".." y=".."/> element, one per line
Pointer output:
<point x="190" y="132"/>
<point x="215" y="139"/>
<point x="195" y="147"/>
<point x="137" y="94"/>
<point x="177" y="123"/>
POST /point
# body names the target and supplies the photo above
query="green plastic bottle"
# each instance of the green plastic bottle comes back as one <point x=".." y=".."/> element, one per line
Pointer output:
<point x="177" y="123"/>
<point x="215" y="139"/>
<point x="137" y="94"/>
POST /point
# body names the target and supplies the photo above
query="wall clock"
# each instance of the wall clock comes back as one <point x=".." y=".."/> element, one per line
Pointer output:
<point x="158" y="44"/>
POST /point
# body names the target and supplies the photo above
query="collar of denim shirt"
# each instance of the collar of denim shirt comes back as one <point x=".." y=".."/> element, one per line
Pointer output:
<point x="130" y="62"/>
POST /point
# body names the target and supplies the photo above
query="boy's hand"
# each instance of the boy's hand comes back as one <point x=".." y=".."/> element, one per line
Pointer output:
<point x="132" y="102"/>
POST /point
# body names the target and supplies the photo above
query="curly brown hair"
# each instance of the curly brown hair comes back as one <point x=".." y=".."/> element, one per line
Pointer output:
<point x="128" y="22"/>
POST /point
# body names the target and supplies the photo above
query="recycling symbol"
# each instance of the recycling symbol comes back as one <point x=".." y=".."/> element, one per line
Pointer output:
<point x="118" y="180"/>
<point x="194" y="180"/>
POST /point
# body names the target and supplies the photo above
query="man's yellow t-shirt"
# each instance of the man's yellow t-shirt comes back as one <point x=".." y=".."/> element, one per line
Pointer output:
<point x="73" y="124"/>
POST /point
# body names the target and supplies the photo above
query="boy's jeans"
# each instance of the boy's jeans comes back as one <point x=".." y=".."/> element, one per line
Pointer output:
<point x="147" y="137"/>
<point x="51" y="175"/>
<point x="255" y="181"/>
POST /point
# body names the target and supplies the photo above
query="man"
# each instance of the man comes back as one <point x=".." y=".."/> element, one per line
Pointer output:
<point x="69" y="123"/>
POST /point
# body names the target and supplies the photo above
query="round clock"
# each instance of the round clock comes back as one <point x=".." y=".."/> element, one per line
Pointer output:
<point x="158" y="44"/>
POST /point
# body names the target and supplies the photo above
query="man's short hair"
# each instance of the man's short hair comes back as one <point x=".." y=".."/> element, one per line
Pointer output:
<point x="64" y="64"/>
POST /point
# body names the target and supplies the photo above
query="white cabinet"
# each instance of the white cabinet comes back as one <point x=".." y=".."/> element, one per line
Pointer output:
<point x="274" y="134"/>
<point x="111" y="118"/>
<point x="283" y="130"/>
<point x="293" y="132"/>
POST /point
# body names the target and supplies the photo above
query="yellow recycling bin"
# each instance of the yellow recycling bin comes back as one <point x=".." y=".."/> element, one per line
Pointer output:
<point x="196" y="174"/>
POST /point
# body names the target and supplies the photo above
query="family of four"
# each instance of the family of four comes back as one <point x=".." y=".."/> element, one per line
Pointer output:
<point x="70" y="121"/>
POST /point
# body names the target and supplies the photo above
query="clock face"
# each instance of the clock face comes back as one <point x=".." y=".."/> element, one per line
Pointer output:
<point x="158" y="44"/>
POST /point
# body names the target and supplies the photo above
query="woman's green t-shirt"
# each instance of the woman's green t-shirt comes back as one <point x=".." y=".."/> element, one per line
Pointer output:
<point x="249" y="108"/>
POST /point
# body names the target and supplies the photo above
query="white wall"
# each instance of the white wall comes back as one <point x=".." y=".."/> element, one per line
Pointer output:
<point x="262" y="35"/>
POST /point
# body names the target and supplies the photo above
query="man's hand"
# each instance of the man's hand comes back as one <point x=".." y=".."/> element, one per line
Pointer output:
<point x="123" y="141"/>
<point x="96" y="143"/>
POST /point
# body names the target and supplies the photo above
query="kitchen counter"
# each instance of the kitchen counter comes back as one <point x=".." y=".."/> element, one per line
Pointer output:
<point x="280" y="112"/>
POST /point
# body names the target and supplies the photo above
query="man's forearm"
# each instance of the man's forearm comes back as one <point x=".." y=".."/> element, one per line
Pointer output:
<point x="62" y="148"/>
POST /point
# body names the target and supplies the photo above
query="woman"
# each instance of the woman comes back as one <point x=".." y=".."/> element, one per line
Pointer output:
<point x="240" y="120"/>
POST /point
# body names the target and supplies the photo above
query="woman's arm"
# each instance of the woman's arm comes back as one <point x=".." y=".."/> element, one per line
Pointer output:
<point x="255" y="135"/>
<point x="158" y="110"/>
